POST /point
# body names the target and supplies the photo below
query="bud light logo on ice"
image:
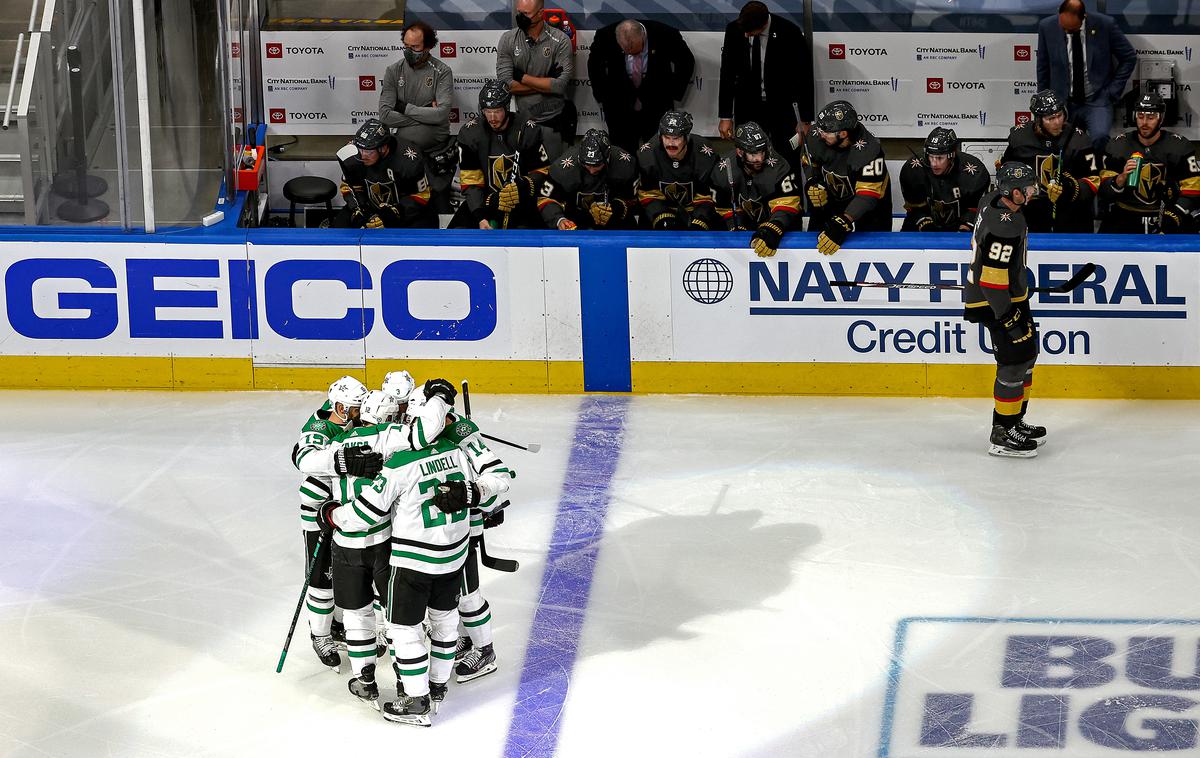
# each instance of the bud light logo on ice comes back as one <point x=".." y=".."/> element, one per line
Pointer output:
<point x="88" y="299"/>
<point x="1074" y="688"/>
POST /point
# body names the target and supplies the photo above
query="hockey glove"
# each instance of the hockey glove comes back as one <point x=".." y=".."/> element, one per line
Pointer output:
<point x="357" y="461"/>
<point x="601" y="213"/>
<point x="1016" y="325"/>
<point x="374" y="222"/>
<point x="346" y="191"/>
<point x="834" y="234"/>
<point x="495" y="518"/>
<point x="766" y="240"/>
<point x="442" y="388"/>
<point x="452" y="497"/>
<point x="817" y="196"/>
<point x="325" y="515"/>
<point x="698" y="225"/>
<point x="565" y="224"/>
<point x="924" y="223"/>
<point x="508" y="197"/>
<point x="1173" y="219"/>
<point x="664" y="221"/>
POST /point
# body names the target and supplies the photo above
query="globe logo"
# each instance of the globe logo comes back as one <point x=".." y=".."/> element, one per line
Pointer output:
<point x="707" y="281"/>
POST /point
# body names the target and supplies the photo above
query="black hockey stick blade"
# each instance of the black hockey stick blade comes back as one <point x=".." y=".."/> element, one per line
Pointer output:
<point x="1082" y="275"/>
<point x="532" y="447"/>
<point x="466" y="399"/>
<point x="506" y="565"/>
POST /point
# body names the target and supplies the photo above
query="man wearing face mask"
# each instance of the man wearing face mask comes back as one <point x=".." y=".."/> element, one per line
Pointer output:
<point x="414" y="102"/>
<point x="537" y="61"/>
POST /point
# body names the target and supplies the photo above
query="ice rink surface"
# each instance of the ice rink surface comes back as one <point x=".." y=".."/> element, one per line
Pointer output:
<point x="700" y="576"/>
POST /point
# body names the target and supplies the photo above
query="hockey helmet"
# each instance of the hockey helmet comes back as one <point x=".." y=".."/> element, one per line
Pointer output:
<point x="593" y="148"/>
<point x="379" y="408"/>
<point x="348" y="391"/>
<point x="398" y="384"/>
<point x="494" y="94"/>
<point x="1150" y="102"/>
<point x="838" y="116"/>
<point x="675" y="124"/>
<point x="750" y="138"/>
<point x="372" y="135"/>
<point x="1014" y="175"/>
<point x="941" y="141"/>
<point x="1046" y="103"/>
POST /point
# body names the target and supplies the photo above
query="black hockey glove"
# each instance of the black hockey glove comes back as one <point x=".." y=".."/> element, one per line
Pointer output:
<point x="325" y="515"/>
<point x="834" y="234"/>
<point x="766" y="239"/>
<point x="924" y="223"/>
<point x="495" y="518"/>
<point x="442" y="388"/>
<point x="1175" y="220"/>
<point x="664" y="221"/>
<point x="1016" y="325"/>
<point x="357" y="461"/>
<point x="452" y="497"/>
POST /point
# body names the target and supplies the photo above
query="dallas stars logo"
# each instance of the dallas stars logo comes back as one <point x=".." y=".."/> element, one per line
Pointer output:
<point x="410" y="153"/>
<point x="566" y="162"/>
<point x="860" y="144"/>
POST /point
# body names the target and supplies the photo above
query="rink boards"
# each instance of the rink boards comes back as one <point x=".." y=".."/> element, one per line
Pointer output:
<point x="559" y="312"/>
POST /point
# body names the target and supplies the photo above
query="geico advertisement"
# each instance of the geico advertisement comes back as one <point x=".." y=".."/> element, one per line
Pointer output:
<point x="1042" y="687"/>
<point x="728" y="305"/>
<point x="280" y="304"/>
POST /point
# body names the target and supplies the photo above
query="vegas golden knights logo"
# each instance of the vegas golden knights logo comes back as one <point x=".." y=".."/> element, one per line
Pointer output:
<point x="1047" y="168"/>
<point x="382" y="193"/>
<point x="502" y="169"/>
<point x="751" y="207"/>
<point x="943" y="213"/>
<point x="1149" y="179"/>
<point x="838" y="184"/>
<point x="679" y="193"/>
<point x="584" y="200"/>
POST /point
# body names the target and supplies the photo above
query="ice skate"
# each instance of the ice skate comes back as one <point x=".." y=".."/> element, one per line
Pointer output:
<point x="464" y="647"/>
<point x="415" y="711"/>
<point x="437" y="693"/>
<point x="476" y="663"/>
<point x="364" y="686"/>
<point x="1035" y="433"/>
<point x="326" y="650"/>
<point x="1011" y="443"/>
<point x="337" y="630"/>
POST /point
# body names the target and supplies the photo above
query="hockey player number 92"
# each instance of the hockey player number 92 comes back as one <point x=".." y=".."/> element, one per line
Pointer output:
<point x="430" y="514"/>
<point x="998" y="252"/>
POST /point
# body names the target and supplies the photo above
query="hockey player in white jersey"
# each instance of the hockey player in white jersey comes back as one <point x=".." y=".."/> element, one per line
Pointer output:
<point x="360" y="557"/>
<point x="428" y="494"/>
<point x="320" y="461"/>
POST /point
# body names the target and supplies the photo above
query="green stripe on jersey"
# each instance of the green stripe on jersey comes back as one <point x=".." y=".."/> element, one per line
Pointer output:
<point x="311" y="494"/>
<point x="405" y="457"/>
<point x="313" y="519"/>
<point x="373" y="530"/>
<point x="429" y="559"/>
<point x="362" y="515"/>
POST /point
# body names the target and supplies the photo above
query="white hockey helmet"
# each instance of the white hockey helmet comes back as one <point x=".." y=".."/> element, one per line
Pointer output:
<point x="348" y="391"/>
<point x="398" y="384"/>
<point x="379" y="408"/>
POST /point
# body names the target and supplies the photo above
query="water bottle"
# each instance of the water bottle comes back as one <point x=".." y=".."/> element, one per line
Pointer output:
<point x="1132" y="181"/>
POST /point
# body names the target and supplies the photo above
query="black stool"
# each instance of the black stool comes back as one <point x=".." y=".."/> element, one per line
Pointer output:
<point x="309" y="190"/>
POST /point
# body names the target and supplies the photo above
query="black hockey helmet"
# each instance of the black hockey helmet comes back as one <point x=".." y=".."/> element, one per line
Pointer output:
<point x="372" y="135"/>
<point x="751" y="138"/>
<point x="675" y="124"/>
<point x="1046" y="103"/>
<point x="941" y="141"/>
<point x="1150" y="102"/>
<point x="494" y="94"/>
<point x="593" y="148"/>
<point x="838" y="116"/>
<point x="1014" y="175"/>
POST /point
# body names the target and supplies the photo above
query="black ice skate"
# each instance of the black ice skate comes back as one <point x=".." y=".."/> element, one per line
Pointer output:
<point x="437" y="693"/>
<point x="1011" y="443"/>
<point x="381" y="643"/>
<point x="337" y="630"/>
<point x="326" y="650"/>
<point x="415" y="711"/>
<point x="364" y="687"/>
<point x="464" y="647"/>
<point x="1035" y="433"/>
<point x="476" y="663"/>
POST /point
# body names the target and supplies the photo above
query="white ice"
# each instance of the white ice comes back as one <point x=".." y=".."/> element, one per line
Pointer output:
<point x="758" y="556"/>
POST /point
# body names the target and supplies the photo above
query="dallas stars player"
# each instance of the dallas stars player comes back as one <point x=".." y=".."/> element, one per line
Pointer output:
<point x="593" y="186"/>
<point x="1068" y="169"/>
<point x="942" y="191"/>
<point x="676" y="169"/>
<point x="500" y="157"/>
<point x="760" y="194"/>
<point x="360" y="557"/>
<point x="850" y="187"/>
<point x="384" y="182"/>
<point x="320" y="461"/>
<point x="1166" y="198"/>
<point x="997" y="296"/>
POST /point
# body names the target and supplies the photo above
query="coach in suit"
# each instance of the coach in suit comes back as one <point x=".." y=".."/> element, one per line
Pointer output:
<point x="639" y="70"/>
<point x="766" y="76"/>
<point x="1087" y="60"/>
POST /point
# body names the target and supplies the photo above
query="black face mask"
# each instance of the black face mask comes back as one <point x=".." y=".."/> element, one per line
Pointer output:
<point x="414" y="58"/>
<point x="524" y="22"/>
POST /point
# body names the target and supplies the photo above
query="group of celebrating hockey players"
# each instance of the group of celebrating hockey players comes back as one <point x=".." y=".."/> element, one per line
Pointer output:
<point x="396" y="491"/>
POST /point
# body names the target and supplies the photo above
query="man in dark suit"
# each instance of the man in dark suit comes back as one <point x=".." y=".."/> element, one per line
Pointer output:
<point x="766" y="77"/>
<point x="639" y="70"/>
<point x="1087" y="60"/>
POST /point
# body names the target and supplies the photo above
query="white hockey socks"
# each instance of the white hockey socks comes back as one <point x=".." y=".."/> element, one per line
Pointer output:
<point x="443" y="641"/>
<point x="320" y="611"/>
<point x="476" y="617"/>
<point x="360" y="637"/>
<point x="410" y="659"/>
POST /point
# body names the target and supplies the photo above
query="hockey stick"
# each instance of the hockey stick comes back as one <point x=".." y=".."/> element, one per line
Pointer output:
<point x="300" y="604"/>
<point x="495" y="564"/>
<point x="1083" y="274"/>
<point x="532" y="447"/>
